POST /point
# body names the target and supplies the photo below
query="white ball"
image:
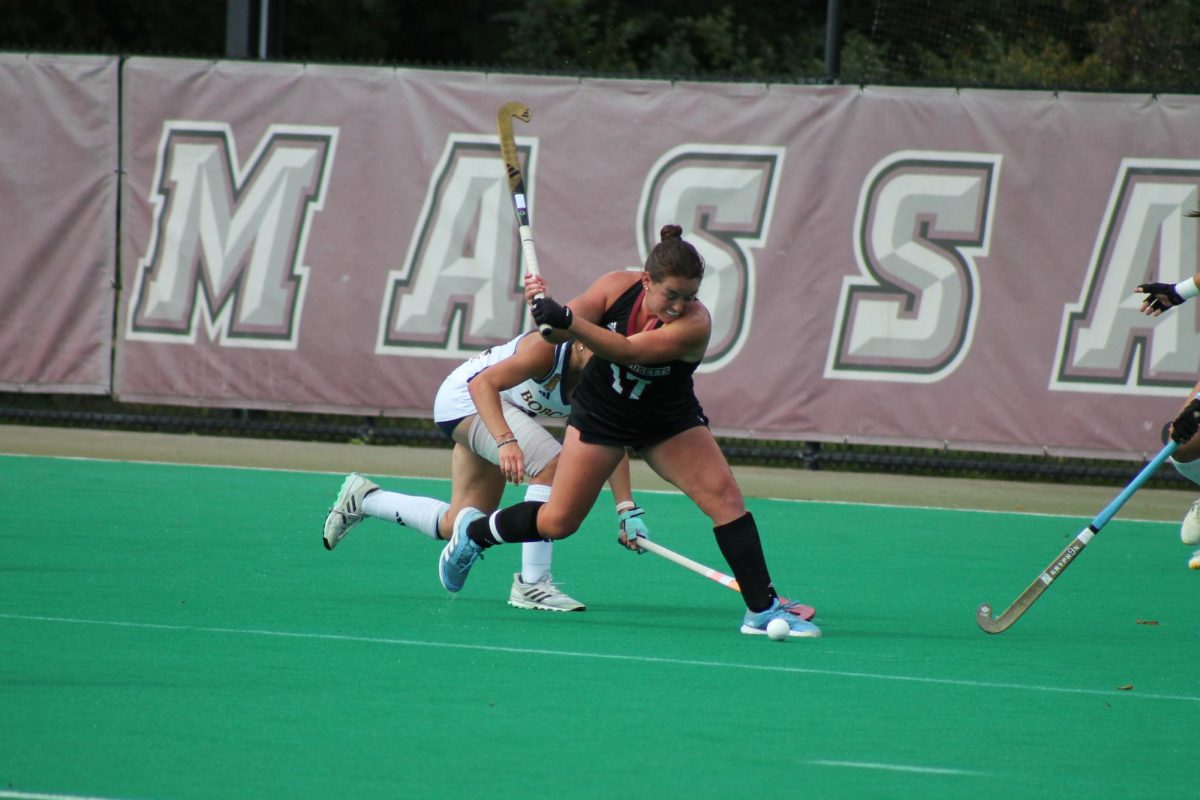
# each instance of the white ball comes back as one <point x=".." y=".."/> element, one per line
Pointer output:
<point x="778" y="629"/>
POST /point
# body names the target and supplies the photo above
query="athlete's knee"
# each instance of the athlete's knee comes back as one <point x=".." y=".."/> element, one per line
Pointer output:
<point x="724" y="500"/>
<point x="553" y="524"/>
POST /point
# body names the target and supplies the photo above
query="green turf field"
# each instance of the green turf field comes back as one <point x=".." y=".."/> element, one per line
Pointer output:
<point x="179" y="632"/>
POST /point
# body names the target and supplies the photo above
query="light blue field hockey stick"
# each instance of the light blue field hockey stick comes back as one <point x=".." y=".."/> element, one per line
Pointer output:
<point x="1011" y="614"/>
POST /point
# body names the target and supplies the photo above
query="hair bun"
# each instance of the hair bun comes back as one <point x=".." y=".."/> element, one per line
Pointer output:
<point x="670" y="232"/>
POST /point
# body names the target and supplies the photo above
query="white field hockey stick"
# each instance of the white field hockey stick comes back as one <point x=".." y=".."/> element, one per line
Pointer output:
<point x="516" y="186"/>
<point x="802" y="611"/>
<point x="1011" y="614"/>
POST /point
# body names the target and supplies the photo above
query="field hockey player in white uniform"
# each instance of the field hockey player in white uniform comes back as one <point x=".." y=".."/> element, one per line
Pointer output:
<point x="489" y="407"/>
<point x="1161" y="297"/>
<point x="1186" y="460"/>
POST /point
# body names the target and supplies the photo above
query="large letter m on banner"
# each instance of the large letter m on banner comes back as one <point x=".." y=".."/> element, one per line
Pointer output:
<point x="228" y="239"/>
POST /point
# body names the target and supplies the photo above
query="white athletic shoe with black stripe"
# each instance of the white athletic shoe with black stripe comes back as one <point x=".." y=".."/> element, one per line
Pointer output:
<point x="347" y="509"/>
<point x="543" y="595"/>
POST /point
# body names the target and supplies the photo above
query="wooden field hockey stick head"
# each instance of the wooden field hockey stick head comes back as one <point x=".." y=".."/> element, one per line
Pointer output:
<point x="508" y="152"/>
<point x="516" y="186"/>
<point x="1001" y="623"/>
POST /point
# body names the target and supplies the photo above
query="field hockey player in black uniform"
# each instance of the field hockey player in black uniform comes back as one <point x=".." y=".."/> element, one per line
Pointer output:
<point x="648" y="333"/>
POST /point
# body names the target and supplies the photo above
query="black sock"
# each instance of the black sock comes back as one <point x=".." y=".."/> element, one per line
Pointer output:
<point x="515" y="524"/>
<point x="742" y="549"/>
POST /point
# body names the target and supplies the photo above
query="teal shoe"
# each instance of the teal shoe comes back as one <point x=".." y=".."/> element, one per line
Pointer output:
<point x="756" y="623"/>
<point x="460" y="552"/>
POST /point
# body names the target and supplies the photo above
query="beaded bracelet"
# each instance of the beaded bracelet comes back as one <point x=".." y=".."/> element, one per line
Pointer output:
<point x="510" y="440"/>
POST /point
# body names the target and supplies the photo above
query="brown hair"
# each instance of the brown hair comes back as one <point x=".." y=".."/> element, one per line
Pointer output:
<point x="673" y="257"/>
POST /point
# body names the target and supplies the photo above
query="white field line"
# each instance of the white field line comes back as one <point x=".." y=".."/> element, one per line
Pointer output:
<point x="15" y="795"/>
<point x="640" y="491"/>
<point x="683" y="662"/>
<point x="894" y="767"/>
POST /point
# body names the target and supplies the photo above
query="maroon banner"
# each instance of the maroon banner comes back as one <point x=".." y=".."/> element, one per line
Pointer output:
<point x="58" y="178"/>
<point x="926" y="267"/>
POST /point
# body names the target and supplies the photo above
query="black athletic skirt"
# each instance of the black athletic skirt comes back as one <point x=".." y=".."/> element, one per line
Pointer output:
<point x="595" y="427"/>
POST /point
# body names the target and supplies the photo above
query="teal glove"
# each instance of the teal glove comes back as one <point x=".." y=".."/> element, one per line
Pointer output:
<point x="632" y="524"/>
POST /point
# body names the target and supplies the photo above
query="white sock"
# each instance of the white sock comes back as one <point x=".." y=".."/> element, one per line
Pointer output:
<point x="420" y="513"/>
<point x="535" y="556"/>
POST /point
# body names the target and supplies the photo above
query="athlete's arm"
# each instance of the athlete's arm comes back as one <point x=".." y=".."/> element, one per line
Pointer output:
<point x="590" y="305"/>
<point x="532" y="359"/>
<point x="631" y="521"/>
<point x="621" y="483"/>
<point x="685" y="338"/>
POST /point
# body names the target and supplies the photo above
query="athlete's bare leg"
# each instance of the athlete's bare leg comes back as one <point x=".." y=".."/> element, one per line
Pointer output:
<point x="693" y="462"/>
<point x="474" y="481"/>
<point x="581" y="474"/>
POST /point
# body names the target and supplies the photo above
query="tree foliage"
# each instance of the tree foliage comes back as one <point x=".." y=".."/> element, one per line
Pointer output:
<point x="1144" y="45"/>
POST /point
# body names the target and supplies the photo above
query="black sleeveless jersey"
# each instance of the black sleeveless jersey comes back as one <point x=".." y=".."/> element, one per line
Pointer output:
<point x="633" y="404"/>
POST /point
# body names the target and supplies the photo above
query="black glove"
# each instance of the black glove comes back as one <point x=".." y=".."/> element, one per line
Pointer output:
<point x="547" y="312"/>
<point x="1185" y="425"/>
<point x="1157" y="292"/>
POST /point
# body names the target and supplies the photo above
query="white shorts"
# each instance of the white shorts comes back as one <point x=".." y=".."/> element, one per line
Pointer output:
<point x="536" y="443"/>
<point x="1188" y="469"/>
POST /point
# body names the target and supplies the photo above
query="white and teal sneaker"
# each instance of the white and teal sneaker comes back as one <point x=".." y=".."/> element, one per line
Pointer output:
<point x="460" y="552"/>
<point x="755" y="624"/>
<point x="347" y="509"/>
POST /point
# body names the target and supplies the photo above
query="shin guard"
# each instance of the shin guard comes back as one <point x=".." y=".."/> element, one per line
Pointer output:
<point x="742" y="548"/>
<point x="517" y="523"/>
